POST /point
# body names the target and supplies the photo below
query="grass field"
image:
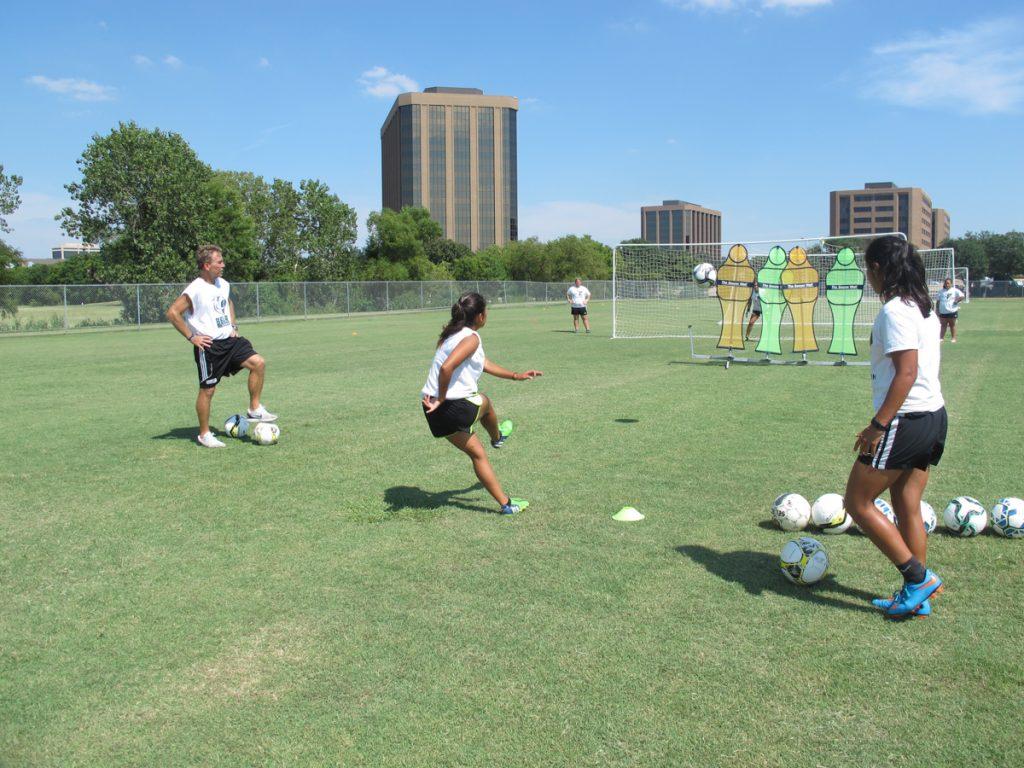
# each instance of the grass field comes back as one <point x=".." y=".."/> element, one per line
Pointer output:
<point x="348" y="597"/>
<point x="104" y="313"/>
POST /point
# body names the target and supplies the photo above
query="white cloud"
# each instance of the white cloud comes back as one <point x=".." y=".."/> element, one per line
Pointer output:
<point x="977" y="70"/>
<point x="631" y="26"/>
<point x="735" y="5"/>
<point x="142" y="61"/>
<point x="80" y="90"/>
<point x="173" y="61"/>
<point x="385" y="84"/>
<point x="609" y="224"/>
<point x="264" y="62"/>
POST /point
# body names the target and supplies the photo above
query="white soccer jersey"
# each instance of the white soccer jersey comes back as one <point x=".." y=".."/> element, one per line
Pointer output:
<point x="210" y="315"/>
<point x="900" y="326"/>
<point x="947" y="300"/>
<point x="578" y="295"/>
<point x="464" y="378"/>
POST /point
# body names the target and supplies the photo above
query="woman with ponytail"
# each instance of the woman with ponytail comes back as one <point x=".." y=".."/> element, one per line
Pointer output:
<point x="451" y="401"/>
<point x="907" y="433"/>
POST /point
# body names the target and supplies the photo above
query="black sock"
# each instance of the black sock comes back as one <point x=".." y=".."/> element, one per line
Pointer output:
<point x="913" y="571"/>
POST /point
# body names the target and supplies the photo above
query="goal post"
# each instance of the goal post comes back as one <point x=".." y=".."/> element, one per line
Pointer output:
<point x="816" y="303"/>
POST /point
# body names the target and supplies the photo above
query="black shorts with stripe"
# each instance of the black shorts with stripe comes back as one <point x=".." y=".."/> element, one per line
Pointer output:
<point x="579" y="311"/>
<point x="912" y="441"/>
<point x="223" y="358"/>
<point x="453" y="416"/>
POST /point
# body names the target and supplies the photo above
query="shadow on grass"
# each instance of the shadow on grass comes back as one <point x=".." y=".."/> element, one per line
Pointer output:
<point x="406" y="497"/>
<point x="564" y="331"/>
<point x="758" y="572"/>
<point x="627" y="421"/>
<point x="181" y="433"/>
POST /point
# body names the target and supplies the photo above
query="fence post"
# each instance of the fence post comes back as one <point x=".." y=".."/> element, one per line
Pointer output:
<point x="305" y="302"/>
<point x="138" y="305"/>
<point x="387" y="297"/>
<point x="421" y="294"/>
<point x="348" y="298"/>
<point x="451" y="291"/>
<point x="65" y="309"/>
<point x="257" y="302"/>
<point x="478" y="286"/>
<point x="545" y="293"/>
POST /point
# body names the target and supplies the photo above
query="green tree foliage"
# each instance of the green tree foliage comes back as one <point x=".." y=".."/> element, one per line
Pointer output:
<point x="10" y="257"/>
<point x="988" y="254"/>
<point x="441" y="250"/>
<point x="327" y="233"/>
<point x="396" y="245"/>
<point x="488" y="264"/>
<point x="573" y="256"/>
<point x="226" y="223"/>
<point x="143" y="198"/>
<point x="9" y="197"/>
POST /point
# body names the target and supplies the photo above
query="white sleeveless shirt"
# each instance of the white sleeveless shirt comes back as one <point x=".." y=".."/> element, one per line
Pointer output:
<point x="464" y="378"/>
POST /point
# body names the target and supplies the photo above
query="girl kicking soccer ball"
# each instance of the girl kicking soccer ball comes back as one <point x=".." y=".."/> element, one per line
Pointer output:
<point x="907" y="434"/>
<point x="451" y="402"/>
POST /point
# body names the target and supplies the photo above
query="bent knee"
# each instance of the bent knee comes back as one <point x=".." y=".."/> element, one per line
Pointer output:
<point x="257" y="362"/>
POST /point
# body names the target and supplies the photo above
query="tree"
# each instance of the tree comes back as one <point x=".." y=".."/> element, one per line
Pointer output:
<point x="526" y="260"/>
<point x="488" y="264"/>
<point x="142" y="198"/>
<point x="327" y="233"/>
<point x="441" y="250"/>
<point x="970" y="253"/>
<point x="1006" y="254"/>
<point x="227" y="224"/>
<point x="396" y="245"/>
<point x="573" y="256"/>
<point x="9" y="197"/>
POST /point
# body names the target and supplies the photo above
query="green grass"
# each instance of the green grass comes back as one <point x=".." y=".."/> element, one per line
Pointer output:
<point x="349" y="597"/>
<point x="28" y="318"/>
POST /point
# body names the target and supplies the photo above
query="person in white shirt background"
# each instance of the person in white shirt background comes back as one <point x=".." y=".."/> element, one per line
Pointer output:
<point x="205" y="316"/>
<point x="907" y="434"/>
<point x="452" y="403"/>
<point x="948" y="306"/>
<point x="578" y="297"/>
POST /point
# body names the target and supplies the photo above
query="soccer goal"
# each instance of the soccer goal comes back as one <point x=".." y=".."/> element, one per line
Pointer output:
<point x="816" y="305"/>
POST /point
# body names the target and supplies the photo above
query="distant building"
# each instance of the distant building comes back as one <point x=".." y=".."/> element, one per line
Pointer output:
<point x="67" y="250"/>
<point x="940" y="226"/>
<point x="680" y="222"/>
<point x="453" y="152"/>
<point x="883" y="207"/>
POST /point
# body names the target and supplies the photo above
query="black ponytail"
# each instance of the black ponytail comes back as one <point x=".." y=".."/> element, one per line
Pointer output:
<point x="465" y="311"/>
<point x="902" y="271"/>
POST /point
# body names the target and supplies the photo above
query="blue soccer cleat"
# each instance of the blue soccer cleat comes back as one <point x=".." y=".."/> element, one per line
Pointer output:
<point x="906" y="602"/>
<point x="923" y="612"/>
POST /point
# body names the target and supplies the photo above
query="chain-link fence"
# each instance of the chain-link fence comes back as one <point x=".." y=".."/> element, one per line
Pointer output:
<point x="997" y="289"/>
<point x="34" y="308"/>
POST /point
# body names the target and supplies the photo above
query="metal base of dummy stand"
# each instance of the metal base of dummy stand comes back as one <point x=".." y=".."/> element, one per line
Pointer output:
<point x="766" y="360"/>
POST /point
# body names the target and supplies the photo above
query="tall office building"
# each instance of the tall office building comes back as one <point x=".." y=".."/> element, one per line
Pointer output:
<point x="453" y="152"/>
<point x="884" y="207"/>
<point x="940" y="226"/>
<point x="680" y="222"/>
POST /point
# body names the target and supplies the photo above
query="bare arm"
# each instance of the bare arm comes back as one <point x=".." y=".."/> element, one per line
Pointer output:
<point x="175" y="315"/>
<point x="504" y="373"/>
<point x="231" y="312"/>
<point x="905" y="363"/>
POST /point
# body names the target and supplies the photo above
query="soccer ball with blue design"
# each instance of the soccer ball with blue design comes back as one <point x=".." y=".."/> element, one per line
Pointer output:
<point x="928" y="516"/>
<point x="791" y="511"/>
<point x="886" y="509"/>
<point x="702" y="272"/>
<point x="965" y="516"/>
<point x="237" y="426"/>
<point x="803" y="560"/>
<point x="1008" y="517"/>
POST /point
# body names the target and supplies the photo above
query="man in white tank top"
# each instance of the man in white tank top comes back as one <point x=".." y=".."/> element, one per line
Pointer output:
<point x="578" y="297"/>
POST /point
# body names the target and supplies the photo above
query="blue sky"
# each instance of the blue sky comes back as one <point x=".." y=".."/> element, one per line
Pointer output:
<point x="755" y="107"/>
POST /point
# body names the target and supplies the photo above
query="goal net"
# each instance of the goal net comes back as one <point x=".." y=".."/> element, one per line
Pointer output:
<point x="814" y="296"/>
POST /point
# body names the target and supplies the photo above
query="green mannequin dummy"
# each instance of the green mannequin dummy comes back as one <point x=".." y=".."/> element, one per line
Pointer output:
<point x="773" y="302"/>
<point x="844" y="285"/>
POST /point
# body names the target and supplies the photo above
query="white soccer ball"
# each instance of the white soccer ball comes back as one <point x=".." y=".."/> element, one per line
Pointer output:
<point x="265" y="433"/>
<point x="803" y="560"/>
<point x="886" y="509"/>
<point x="791" y="511"/>
<point x="1008" y="517"/>
<point x="928" y="516"/>
<point x="965" y="516"/>
<point x="829" y="514"/>
<point x="712" y="275"/>
<point x="701" y="272"/>
<point x="237" y="426"/>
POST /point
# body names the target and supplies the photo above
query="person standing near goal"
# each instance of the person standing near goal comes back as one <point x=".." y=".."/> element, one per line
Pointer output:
<point x="907" y="434"/>
<point x="205" y="316"/>
<point x="948" y="306"/>
<point x="451" y="401"/>
<point x="578" y="297"/>
<point x="755" y="311"/>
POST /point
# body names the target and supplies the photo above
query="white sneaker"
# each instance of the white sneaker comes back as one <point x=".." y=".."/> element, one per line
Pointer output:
<point x="261" y="414"/>
<point x="209" y="441"/>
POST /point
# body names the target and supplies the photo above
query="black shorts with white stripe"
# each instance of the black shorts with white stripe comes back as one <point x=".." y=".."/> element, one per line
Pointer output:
<point x="223" y="358"/>
<point x="912" y="441"/>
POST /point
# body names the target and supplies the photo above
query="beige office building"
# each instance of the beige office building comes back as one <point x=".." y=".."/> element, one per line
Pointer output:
<point x="453" y="152"/>
<point x="883" y="207"/>
<point x="680" y="222"/>
<point x="940" y="227"/>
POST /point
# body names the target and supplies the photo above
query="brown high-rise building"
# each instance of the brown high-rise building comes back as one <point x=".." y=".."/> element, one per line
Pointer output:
<point x="940" y="226"/>
<point x="453" y="152"/>
<point x="679" y="222"/>
<point x="883" y="207"/>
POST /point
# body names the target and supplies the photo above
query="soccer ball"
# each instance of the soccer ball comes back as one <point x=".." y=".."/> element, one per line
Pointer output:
<point x="791" y="511"/>
<point x="1008" y="517"/>
<point x="237" y="426"/>
<point x="712" y="275"/>
<point x="965" y="516"/>
<point x="265" y="433"/>
<point x="803" y="560"/>
<point x="701" y="272"/>
<point x="931" y="522"/>
<point x="828" y="514"/>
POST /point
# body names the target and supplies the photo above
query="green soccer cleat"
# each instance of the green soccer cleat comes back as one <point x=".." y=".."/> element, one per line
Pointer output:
<point x="514" y="506"/>
<point x="504" y="431"/>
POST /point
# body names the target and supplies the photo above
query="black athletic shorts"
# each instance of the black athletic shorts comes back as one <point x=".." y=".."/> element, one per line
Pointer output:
<point x="948" y="316"/>
<point x="579" y="310"/>
<point x="912" y="441"/>
<point x="755" y="313"/>
<point x="453" y="416"/>
<point x="223" y="358"/>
